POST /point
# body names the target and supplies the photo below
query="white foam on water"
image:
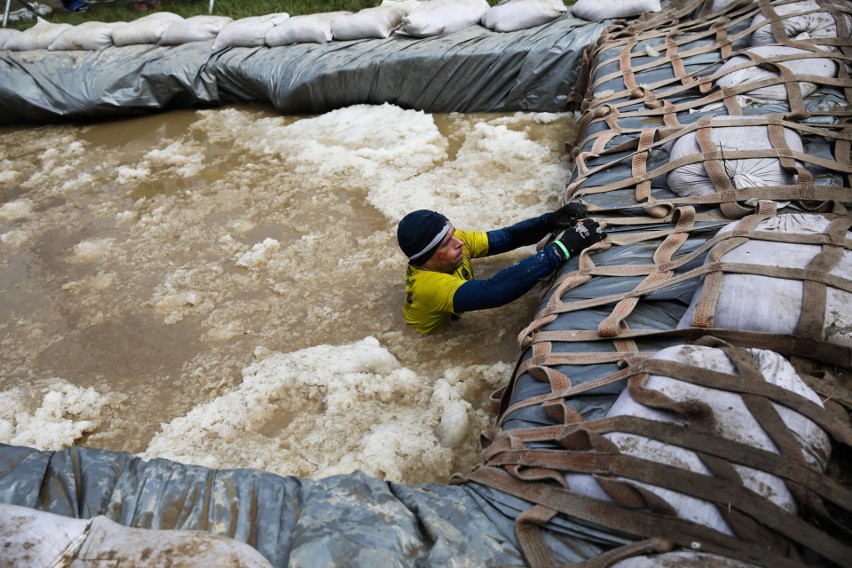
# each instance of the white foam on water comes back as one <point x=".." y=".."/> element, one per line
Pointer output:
<point x="90" y="251"/>
<point x="328" y="410"/>
<point x="14" y="210"/>
<point x="58" y="418"/>
<point x="153" y="258"/>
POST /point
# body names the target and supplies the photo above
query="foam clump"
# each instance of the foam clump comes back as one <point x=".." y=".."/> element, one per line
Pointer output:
<point x="65" y="414"/>
<point x="18" y="209"/>
<point x="327" y="410"/>
<point x="259" y="254"/>
<point x="89" y="251"/>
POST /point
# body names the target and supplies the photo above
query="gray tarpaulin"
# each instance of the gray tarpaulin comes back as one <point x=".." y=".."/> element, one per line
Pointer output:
<point x="473" y="70"/>
<point x="353" y="520"/>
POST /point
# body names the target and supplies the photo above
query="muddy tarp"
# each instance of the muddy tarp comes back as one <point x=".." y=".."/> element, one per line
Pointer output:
<point x="473" y="70"/>
<point x="352" y="520"/>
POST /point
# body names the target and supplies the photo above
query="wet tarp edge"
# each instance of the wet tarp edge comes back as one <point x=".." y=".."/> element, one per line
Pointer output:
<point x="473" y="70"/>
<point x="290" y="521"/>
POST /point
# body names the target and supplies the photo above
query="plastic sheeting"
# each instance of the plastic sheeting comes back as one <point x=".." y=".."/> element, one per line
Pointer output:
<point x="473" y="70"/>
<point x="352" y="519"/>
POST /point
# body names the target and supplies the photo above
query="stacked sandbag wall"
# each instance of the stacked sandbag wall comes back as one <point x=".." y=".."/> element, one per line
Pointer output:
<point x="676" y="384"/>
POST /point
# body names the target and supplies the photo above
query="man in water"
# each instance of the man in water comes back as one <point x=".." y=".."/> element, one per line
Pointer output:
<point x="439" y="282"/>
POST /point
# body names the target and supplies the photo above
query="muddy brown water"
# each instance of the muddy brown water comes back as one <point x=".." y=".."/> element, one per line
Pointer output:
<point x="223" y="287"/>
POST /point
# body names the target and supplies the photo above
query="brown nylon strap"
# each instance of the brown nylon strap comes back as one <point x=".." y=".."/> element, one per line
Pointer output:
<point x="814" y="297"/>
<point x="508" y="447"/>
<point x="683" y="533"/>
<point x="736" y="452"/>
<point x="531" y="542"/>
<point x="830" y="353"/>
<point x="722" y="492"/>
<point x="688" y="374"/>
<point x="708" y="269"/>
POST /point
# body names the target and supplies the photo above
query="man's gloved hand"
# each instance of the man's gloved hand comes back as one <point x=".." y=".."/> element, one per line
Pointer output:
<point x="581" y="236"/>
<point x="566" y="216"/>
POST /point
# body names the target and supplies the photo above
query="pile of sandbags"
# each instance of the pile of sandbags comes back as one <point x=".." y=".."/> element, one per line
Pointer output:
<point x="419" y="19"/>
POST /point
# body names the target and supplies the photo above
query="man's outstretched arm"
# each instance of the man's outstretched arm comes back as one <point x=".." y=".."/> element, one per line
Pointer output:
<point x="514" y="281"/>
<point x="531" y="231"/>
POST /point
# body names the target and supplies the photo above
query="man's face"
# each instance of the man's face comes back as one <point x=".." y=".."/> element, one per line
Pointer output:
<point x="448" y="258"/>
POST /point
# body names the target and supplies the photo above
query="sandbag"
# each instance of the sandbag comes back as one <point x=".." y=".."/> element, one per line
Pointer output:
<point x="6" y="34"/>
<point x="595" y="10"/>
<point x="368" y="23"/>
<point x="439" y="17"/>
<point x="682" y="558"/>
<point x="311" y="28"/>
<point x="40" y="36"/>
<point x="34" y="538"/>
<point x="693" y="179"/>
<point x="821" y="66"/>
<point x="196" y="28"/>
<point x="514" y="15"/>
<point x="145" y="30"/>
<point x="712" y="6"/>
<point x="815" y="25"/>
<point x="88" y="36"/>
<point x="771" y="304"/>
<point x="732" y="421"/>
<point x="248" y="32"/>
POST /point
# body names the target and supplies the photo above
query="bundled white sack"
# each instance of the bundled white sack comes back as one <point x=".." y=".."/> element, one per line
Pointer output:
<point x="40" y="36"/>
<point x="6" y="35"/>
<point x="439" y="17"/>
<point x="248" y="32"/>
<point x="145" y="30"/>
<point x="814" y="25"/>
<point x="713" y="6"/>
<point x="311" y="28"/>
<point x="514" y="15"/>
<point x="368" y="23"/>
<point x="821" y="66"/>
<point x="34" y="538"/>
<point x="693" y="179"/>
<point x="682" y="558"/>
<point x="88" y="36"/>
<point x="196" y="28"/>
<point x="596" y="10"/>
<point x="768" y="304"/>
<point x="733" y="421"/>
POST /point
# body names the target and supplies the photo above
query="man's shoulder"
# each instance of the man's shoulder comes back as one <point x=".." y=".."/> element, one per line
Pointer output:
<point x="475" y="241"/>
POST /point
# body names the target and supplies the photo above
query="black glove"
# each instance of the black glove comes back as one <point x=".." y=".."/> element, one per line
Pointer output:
<point x="566" y="216"/>
<point x="581" y="236"/>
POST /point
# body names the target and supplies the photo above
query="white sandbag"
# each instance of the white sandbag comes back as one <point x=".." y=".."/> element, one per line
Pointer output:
<point x="517" y="15"/>
<point x="692" y="179"/>
<point x="145" y="30"/>
<point x="196" y="28"/>
<point x="40" y="36"/>
<point x="713" y="6"/>
<point x="88" y="36"/>
<point x="6" y="34"/>
<point x="368" y="23"/>
<point x="311" y="28"/>
<point x="248" y="32"/>
<point x="733" y="421"/>
<point x="816" y="25"/>
<point x="34" y="538"/>
<point x="773" y="305"/>
<point x="822" y="67"/>
<point x="597" y="10"/>
<point x="439" y="17"/>
<point x="682" y="559"/>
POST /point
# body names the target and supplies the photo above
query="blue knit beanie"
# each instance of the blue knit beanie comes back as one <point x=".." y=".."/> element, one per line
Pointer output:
<point x="420" y="233"/>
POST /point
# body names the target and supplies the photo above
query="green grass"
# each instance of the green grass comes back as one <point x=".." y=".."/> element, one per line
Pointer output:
<point x="124" y="10"/>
